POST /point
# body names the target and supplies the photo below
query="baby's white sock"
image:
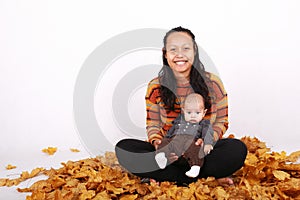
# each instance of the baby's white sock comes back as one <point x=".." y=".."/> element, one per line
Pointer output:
<point x="161" y="160"/>
<point x="193" y="172"/>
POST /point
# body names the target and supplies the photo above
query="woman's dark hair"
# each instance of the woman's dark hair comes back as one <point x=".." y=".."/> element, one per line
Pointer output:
<point x="198" y="76"/>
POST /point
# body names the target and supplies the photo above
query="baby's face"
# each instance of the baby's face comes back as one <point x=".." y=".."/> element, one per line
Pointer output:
<point x="194" y="112"/>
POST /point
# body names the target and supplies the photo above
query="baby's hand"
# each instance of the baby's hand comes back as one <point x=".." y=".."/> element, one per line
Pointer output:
<point x="208" y="148"/>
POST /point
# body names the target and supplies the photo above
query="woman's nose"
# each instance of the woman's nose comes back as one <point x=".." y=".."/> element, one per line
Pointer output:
<point x="180" y="52"/>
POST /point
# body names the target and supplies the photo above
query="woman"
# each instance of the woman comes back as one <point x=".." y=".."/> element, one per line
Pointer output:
<point x="182" y="74"/>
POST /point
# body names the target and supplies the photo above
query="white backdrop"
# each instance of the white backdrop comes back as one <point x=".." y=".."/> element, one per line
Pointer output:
<point x="254" y="45"/>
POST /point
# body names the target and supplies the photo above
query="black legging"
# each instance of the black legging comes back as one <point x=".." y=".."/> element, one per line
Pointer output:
<point x="137" y="157"/>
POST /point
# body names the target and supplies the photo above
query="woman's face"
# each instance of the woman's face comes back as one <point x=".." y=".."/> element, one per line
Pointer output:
<point x="180" y="53"/>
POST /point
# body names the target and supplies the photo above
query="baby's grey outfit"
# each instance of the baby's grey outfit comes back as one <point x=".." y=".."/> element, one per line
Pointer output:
<point x="181" y="138"/>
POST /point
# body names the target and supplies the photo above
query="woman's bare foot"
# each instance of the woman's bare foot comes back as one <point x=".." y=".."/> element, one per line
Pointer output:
<point x="154" y="181"/>
<point x="225" y="181"/>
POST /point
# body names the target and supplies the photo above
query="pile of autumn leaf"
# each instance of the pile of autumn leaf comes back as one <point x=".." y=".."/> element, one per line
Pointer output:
<point x="265" y="175"/>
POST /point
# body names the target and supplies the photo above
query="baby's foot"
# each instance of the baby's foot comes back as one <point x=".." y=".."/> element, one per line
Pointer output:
<point x="161" y="160"/>
<point x="193" y="172"/>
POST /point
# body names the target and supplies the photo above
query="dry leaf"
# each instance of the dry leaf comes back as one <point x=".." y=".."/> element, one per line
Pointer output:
<point x="281" y="175"/>
<point x="74" y="150"/>
<point x="9" y="167"/>
<point x="50" y="150"/>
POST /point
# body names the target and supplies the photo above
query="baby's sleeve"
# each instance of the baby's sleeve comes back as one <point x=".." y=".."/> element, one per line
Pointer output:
<point x="208" y="133"/>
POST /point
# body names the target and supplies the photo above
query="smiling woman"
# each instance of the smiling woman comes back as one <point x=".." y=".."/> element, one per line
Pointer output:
<point x="179" y="52"/>
<point x="182" y="73"/>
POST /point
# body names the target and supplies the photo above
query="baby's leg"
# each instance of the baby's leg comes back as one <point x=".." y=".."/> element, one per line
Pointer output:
<point x="180" y="143"/>
<point x="193" y="172"/>
<point x="161" y="153"/>
<point x="192" y="156"/>
<point x="161" y="160"/>
<point x="164" y="144"/>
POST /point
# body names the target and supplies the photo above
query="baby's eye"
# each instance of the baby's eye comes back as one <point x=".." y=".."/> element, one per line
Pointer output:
<point x="189" y="113"/>
<point x="198" y="113"/>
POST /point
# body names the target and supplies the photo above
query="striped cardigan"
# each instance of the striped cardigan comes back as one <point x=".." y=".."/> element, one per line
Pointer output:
<point x="159" y="121"/>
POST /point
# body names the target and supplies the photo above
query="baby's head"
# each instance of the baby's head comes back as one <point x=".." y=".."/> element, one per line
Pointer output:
<point x="194" y="108"/>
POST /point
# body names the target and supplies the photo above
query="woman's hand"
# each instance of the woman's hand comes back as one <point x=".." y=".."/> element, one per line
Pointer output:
<point x="156" y="143"/>
<point x="199" y="142"/>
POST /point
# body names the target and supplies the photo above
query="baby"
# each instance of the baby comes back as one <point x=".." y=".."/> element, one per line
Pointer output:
<point x="185" y="131"/>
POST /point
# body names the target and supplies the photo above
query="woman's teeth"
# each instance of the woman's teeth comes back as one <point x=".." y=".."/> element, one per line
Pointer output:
<point x="180" y="63"/>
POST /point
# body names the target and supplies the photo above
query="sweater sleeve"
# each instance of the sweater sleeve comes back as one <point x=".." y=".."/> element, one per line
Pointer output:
<point x="221" y="122"/>
<point x="153" y="121"/>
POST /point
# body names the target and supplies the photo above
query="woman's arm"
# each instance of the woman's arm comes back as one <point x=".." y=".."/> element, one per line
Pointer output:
<point x="153" y="121"/>
<point x="220" y="125"/>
